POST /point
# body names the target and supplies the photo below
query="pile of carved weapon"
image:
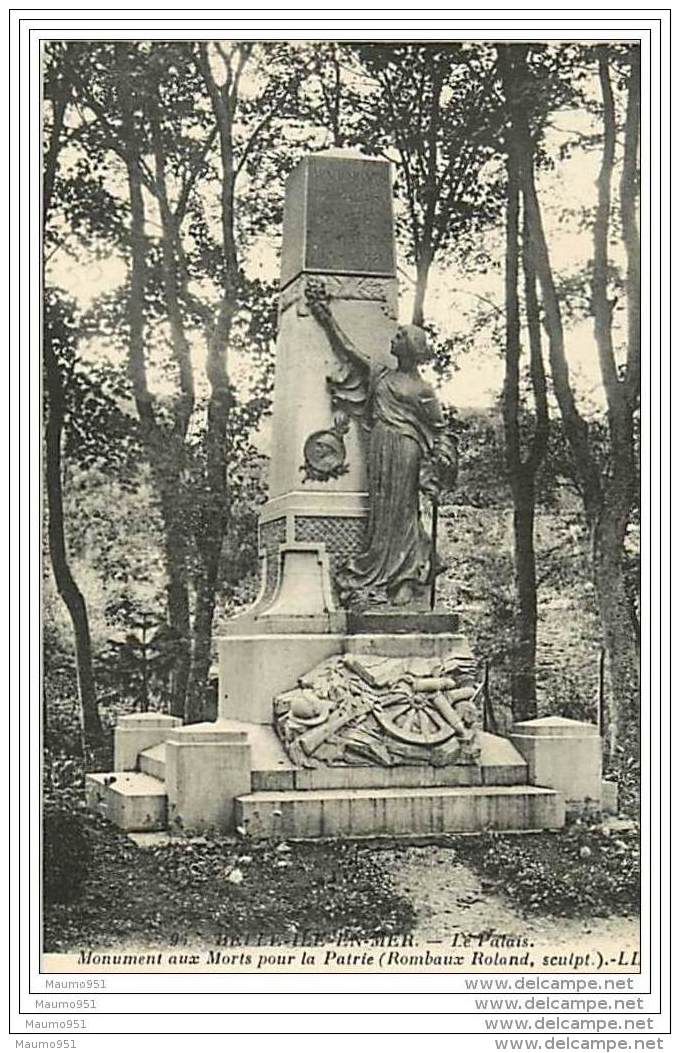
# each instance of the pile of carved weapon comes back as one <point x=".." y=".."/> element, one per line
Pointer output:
<point x="370" y="709"/>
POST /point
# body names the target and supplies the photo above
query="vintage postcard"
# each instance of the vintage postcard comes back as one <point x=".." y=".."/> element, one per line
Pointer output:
<point x="348" y="408"/>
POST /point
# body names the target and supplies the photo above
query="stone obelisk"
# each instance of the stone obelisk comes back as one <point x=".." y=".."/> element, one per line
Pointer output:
<point x="338" y="231"/>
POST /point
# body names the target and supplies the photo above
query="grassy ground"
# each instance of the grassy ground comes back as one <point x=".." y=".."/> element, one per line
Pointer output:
<point x="223" y="890"/>
<point x="215" y="888"/>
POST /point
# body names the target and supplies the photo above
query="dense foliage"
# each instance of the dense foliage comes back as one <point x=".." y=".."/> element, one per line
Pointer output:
<point x="581" y="872"/>
<point x="67" y="855"/>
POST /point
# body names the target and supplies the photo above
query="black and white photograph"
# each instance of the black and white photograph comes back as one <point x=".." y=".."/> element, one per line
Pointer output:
<point x="342" y="509"/>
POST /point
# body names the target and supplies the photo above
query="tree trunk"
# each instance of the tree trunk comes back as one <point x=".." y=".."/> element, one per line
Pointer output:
<point x="175" y="551"/>
<point x="628" y="199"/>
<point x="164" y="453"/>
<point x="524" y="666"/>
<point x="210" y="540"/>
<point x="607" y="502"/>
<point x="523" y="680"/>
<point x="575" y="427"/>
<point x="619" y="627"/>
<point x="425" y="245"/>
<point x="224" y="101"/>
<point x="91" y="728"/>
<point x="610" y="515"/>
<point x="171" y="462"/>
<point x="90" y="721"/>
<point x="525" y="557"/>
<point x="423" y="265"/>
<point x="164" y="449"/>
<point x="521" y="472"/>
<point x="203" y="623"/>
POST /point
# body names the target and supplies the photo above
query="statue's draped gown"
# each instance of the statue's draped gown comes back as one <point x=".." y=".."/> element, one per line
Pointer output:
<point x="405" y="417"/>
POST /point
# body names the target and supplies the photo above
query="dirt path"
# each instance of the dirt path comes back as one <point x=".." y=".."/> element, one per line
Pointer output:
<point x="449" y="898"/>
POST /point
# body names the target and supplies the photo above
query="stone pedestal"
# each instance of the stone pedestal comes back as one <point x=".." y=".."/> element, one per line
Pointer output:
<point x="207" y="766"/>
<point x="303" y="581"/>
<point x="137" y="732"/>
<point x="256" y="666"/>
<point x="565" y="755"/>
<point x="395" y="620"/>
<point x="420" y="645"/>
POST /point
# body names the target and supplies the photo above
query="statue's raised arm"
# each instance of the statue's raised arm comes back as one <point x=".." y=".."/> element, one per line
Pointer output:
<point x="319" y="304"/>
<point x="350" y="384"/>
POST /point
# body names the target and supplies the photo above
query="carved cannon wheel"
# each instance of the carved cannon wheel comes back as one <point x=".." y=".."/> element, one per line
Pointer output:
<point x="413" y="719"/>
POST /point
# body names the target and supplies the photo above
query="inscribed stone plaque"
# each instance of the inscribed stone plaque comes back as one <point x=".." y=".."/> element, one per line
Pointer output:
<point x="338" y="218"/>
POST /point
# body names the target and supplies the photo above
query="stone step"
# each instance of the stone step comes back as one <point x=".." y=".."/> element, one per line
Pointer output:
<point x="414" y="810"/>
<point x="131" y="800"/>
<point x="152" y="761"/>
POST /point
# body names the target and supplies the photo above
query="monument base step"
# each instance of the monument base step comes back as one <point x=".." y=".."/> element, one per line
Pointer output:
<point x="500" y="765"/>
<point x="133" y="801"/>
<point x="395" y="811"/>
<point x="351" y="801"/>
<point x="152" y="761"/>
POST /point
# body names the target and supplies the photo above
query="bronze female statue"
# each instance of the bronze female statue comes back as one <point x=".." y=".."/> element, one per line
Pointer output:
<point x="408" y="454"/>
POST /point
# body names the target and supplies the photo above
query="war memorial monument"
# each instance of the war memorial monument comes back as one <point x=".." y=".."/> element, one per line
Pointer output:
<point x="349" y="704"/>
